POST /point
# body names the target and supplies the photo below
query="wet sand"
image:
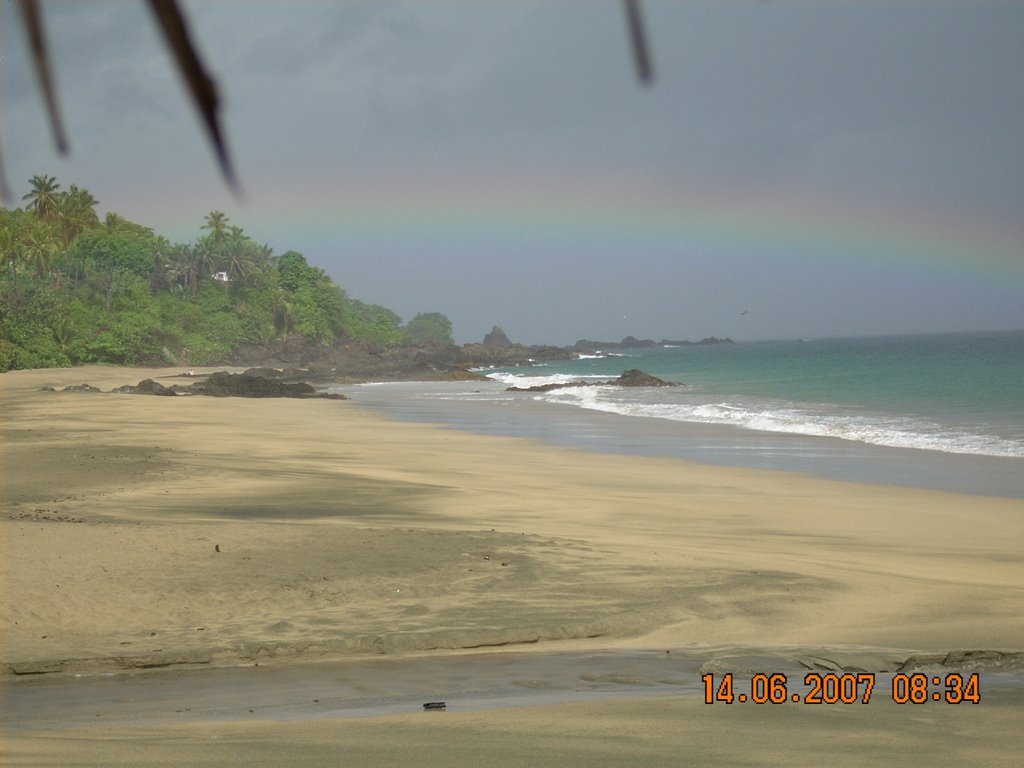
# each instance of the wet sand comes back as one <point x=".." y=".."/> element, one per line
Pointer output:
<point x="146" y="533"/>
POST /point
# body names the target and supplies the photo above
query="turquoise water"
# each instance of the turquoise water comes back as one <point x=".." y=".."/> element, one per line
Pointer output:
<point x="944" y="412"/>
<point x="956" y="393"/>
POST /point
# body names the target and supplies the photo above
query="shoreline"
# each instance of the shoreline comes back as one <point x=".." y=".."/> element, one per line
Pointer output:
<point x="479" y="502"/>
<point x="470" y="681"/>
<point x="281" y="532"/>
<point x="560" y="424"/>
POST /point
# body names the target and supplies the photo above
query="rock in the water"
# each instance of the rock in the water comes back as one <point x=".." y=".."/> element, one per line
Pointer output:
<point x="497" y="338"/>
<point x="637" y="378"/>
<point x="550" y="387"/>
<point x="631" y="378"/>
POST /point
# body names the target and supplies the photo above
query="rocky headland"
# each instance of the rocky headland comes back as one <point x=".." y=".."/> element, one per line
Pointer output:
<point x="632" y="342"/>
<point x="358" y="361"/>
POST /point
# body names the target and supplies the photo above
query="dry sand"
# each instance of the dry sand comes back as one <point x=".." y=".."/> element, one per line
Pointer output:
<point x="342" y="534"/>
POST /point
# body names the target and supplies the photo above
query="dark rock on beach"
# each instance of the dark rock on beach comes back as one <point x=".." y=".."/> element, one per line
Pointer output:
<point x="972" y="660"/>
<point x="81" y="388"/>
<point x="285" y="374"/>
<point x="222" y="384"/>
<point x="146" y="387"/>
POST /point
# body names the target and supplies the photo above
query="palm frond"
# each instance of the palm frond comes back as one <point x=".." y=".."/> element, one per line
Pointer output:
<point x="638" y="38"/>
<point x="200" y="84"/>
<point x="41" y="60"/>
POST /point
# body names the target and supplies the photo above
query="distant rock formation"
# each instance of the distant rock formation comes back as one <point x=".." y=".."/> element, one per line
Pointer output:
<point x="632" y="342"/>
<point x="706" y="340"/>
<point x="497" y="338"/>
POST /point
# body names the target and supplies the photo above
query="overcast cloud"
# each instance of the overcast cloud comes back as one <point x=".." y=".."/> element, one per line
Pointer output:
<point x="830" y="168"/>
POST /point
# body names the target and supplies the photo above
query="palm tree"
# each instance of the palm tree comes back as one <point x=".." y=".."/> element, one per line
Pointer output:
<point x="162" y="250"/>
<point x="207" y="257"/>
<point x="217" y="223"/>
<point x="43" y="197"/>
<point x="63" y="331"/>
<point x="267" y="333"/>
<point x="114" y="222"/>
<point x="10" y="248"/>
<point x="40" y="250"/>
<point x="264" y="253"/>
<point x="185" y="267"/>
<point x="238" y="255"/>
<point x="285" y="313"/>
<point x="85" y="201"/>
<point x="76" y="212"/>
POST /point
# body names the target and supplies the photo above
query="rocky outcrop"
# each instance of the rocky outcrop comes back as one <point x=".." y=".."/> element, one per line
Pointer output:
<point x="631" y="378"/>
<point x="497" y="338"/>
<point x="965" y="661"/>
<point x="551" y="387"/>
<point x="631" y="342"/>
<point x="634" y="377"/>
<point x="353" y="361"/>
<point x="146" y="387"/>
<point x="81" y="388"/>
<point x="704" y="341"/>
<point x="251" y="383"/>
<point x="223" y="384"/>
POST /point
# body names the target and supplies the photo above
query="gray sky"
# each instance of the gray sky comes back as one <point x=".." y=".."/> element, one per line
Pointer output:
<point x="828" y="168"/>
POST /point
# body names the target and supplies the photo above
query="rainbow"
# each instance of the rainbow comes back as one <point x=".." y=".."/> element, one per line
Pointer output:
<point x="531" y="210"/>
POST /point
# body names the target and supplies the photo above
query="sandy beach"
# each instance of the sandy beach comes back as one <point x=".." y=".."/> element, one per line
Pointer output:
<point x="147" y="535"/>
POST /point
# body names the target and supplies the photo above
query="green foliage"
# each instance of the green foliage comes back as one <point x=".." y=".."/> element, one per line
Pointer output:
<point x="372" y="322"/>
<point x="429" y="328"/>
<point x="77" y="290"/>
<point x="120" y="251"/>
<point x="26" y="332"/>
<point x="44" y="197"/>
<point x="295" y="272"/>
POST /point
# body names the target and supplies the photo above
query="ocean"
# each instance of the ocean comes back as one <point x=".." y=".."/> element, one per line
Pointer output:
<point x="942" y="411"/>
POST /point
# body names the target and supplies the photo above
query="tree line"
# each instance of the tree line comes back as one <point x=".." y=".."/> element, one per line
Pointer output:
<point x="77" y="289"/>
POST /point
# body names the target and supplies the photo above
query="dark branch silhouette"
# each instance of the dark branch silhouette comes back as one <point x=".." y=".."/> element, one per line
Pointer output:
<point x="41" y="61"/>
<point x="201" y="86"/>
<point x="641" y="55"/>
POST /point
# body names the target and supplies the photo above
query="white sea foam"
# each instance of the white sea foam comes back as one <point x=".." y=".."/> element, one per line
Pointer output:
<point x="525" y="380"/>
<point x="802" y="419"/>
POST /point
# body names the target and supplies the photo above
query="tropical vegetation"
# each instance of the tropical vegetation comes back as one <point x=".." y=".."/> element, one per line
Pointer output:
<point x="75" y="288"/>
